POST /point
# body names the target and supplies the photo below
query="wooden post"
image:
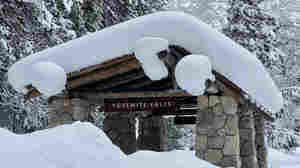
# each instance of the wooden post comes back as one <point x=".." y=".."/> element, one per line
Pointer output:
<point x="122" y="131"/>
<point x="153" y="134"/>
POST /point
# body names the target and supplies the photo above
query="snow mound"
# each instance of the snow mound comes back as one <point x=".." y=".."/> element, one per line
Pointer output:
<point x="173" y="159"/>
<point x="191" y="73"/>
<point x="146" y="50"/>
<point x="75" y="146"/>
<point x="227" y="57"/>
<point x="278" y="159"/>
<point x="81" y="145"/>
<point x="48" y="78"/>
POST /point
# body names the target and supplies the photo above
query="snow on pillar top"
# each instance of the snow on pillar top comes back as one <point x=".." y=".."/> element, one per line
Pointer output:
<point x="146" y="51"/>
<point x="191" y="73"/>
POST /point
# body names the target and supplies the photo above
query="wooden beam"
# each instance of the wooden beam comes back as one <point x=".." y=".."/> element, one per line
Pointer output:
<point x="182" y="120"/>
<point x="145" y="94"/>
<point x="104" y="65"/>
<point x="101" y="74"/>
<point x="118" y="80"/>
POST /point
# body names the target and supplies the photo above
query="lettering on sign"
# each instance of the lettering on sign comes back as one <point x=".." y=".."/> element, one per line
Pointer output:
<point x="144" y="104"/>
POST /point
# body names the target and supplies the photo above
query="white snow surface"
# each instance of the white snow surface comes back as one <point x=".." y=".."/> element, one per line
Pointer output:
<point x="278" y="159"/>
<point x="191" y="73"/>
<point x="146" y="50"/>
<point x="68" y="4"/>
<point x="227" y="57"/>
<point x="48" y="77"/>
<point x="81" y="145"/>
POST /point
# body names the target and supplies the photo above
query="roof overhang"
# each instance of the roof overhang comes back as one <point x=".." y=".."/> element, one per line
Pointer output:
<point x="179" y="29"/>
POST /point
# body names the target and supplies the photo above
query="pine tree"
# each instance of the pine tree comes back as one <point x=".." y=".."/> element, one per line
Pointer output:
<point x="31" y="26"/>
<point x="142" y="7"/>
<point x="255" y="30"/>
<point x="258" y="32"/>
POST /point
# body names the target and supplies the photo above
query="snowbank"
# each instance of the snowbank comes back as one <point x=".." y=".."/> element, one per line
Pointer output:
<point x="83" y="145"/>
<point x="278" y="159"/>
<point x="75" y="146"/>
<point x="174" y="159"/>
<point x="80" y="145"/>
<point x="227" y="57"/>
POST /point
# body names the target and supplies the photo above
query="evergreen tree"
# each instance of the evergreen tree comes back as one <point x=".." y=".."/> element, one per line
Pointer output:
<point x="27" y="27"/>
<point x="142" y="7"/>
<point x="255" y="30"/>
<point x="258" y="32"/>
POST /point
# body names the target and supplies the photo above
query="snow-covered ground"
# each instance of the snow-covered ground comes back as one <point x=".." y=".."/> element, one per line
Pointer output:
<point x="83" y="145"/>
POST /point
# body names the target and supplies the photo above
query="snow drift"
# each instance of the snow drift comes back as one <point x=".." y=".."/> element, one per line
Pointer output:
<point x="227" y="57"/>
<point x="81" y="145"/>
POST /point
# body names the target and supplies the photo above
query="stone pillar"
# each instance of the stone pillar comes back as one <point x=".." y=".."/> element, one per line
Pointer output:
<point x="122" y="131"/>
<point x="66" y="111"/>
<point x="261" y="149"/>
<point x="247" y="136"/>
<point x="153" y="134"/>
<point x="217" y="134"/>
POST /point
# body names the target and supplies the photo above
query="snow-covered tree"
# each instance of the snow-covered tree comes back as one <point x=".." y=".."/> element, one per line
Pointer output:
<point x="212" y="12"/>
<point x="259" y="32"/>
<point x="254" y="29"/>
<point x="142" y="7"/>
<point x="29" y="26"/>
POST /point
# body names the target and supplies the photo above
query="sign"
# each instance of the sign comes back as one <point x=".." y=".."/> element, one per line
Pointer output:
<point x="151" y="104"/>
<point x="185" y="120"/>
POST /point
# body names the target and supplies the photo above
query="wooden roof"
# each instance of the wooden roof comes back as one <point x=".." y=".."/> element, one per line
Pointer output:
<point x="125" y="74"/>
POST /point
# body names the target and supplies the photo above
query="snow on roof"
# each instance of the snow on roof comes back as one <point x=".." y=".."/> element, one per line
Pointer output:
<point x="227" y="57"/>
<point x="198" y="68"/>
<point x="146" y="50"/>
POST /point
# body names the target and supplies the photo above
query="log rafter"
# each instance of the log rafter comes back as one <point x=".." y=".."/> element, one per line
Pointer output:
<point x="126" y="72"/>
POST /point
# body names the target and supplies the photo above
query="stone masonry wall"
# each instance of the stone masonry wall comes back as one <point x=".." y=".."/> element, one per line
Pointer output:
<point x="63" y="111"/>
<point x="261" y="148"/>
<point x="217" y="133"/>
<point x="247" y="136"/>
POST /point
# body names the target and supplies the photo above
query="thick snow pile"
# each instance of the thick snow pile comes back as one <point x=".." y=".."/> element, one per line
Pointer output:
<point x="80" y="145"/>
<point x="146" y="50"/>
<point x="227" y="57"/>
<point x="83" y="145"/>
<point x="74" y="146"/>
<point x="192" y="72"/>
<point x="278" y="159"/>
<point x="48" y="78"/>
<point x="173" y="159"/>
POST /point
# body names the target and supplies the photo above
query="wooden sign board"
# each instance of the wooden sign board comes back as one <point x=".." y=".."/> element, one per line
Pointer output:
<point x="150" y="104"/>
<point x="185" y="120"/>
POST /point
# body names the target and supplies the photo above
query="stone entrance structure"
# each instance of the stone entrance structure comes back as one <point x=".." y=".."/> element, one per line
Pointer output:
<point x="229" y="129"/>
<point x="218" y="139"/>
